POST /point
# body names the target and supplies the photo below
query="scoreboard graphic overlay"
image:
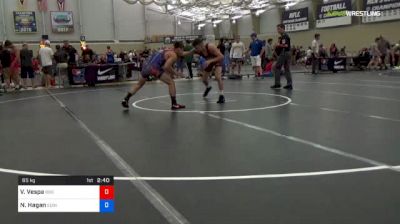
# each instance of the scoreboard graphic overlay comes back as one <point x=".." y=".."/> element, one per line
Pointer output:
<point x="93" y="194"/>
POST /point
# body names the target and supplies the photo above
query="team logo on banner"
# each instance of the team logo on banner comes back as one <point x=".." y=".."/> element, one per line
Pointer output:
<point x="42" y="5"/>
<point x="61" y="5"/>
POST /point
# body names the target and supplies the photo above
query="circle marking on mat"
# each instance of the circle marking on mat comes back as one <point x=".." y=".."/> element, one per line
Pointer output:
<point x="288" y="101"/>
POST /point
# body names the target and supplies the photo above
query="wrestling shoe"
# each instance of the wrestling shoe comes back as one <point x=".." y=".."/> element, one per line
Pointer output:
<point x="125" y="103"/>
<point x="276" y="86"/>
<point x="177" y="107"/>
<point x="208" y="89"/>
<point x="221" y="99"/>
<point x="288" y="87"/>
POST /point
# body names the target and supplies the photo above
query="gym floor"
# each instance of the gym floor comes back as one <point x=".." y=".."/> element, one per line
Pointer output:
<point x="327" y="152"/>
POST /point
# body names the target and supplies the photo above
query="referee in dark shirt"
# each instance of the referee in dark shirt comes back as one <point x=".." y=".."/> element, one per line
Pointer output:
<point x="283" y="49"/>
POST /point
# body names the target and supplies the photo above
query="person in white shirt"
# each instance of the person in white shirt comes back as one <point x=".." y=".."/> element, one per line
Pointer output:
<point x="315" y="50"/>
<point x="309" y="52"/>
<point x="130" y="56"/>
<point x="46" y="60"/>
<point x="236" y="54"/>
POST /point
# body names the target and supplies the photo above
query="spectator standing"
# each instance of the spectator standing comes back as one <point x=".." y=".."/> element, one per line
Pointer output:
<point x="26" y="56"/>
<point x="123" y="56"/>
<point x="293" y="56"/>
<point x="376" y="55"/>
<point x="396" y="54"/>
<point x="10" y="60"/>
<point x="384" y="47"/>
<point x="61" y="59"/>
<point x="5" y="59"/>
<point x="221" y="48"/>
<point x="72" y="53"/>
<point x="189" y="58"/>
<point x="393" y="55"/>
<point x="227" y="61"/>
<point x="110" y="55"/>
<point x="180" y="65"/>
<point x="130" y="56"/>
<point x="145" y="53"/>
<point x="72" y="62"/>
<point x="315" y="52"/>
<point x="333" y="51"/>
<point x="268" y="51"/>
<point x="87" y="54"/>
<point x="237" y="54"/>
<point x="46" y="60"/>
<point x="255" y="49"/>
<point x="283" y="60"/>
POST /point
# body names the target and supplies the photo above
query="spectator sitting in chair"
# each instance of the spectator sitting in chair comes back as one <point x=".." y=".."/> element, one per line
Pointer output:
<point x="362" y="59"/>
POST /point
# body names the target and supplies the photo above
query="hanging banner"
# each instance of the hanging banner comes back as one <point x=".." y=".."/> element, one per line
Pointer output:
<point x="173" y="39"/>
<point x="333" y="14"/>
<point x="390" y="10"/>
<point x="62" y="22"/>
<point x="295" y="20"/>
<point x="42" y="5"/>
<point x="24" y="22"/>
<point x="61" y="5"/>
<point x="21" y="4"/>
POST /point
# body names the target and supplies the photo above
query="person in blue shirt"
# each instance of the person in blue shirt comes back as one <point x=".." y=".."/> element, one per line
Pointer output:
<point x="255" y="49"/>
<point x="110" y="55"/>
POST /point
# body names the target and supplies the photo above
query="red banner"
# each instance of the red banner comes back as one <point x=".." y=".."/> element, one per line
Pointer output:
<point x="42" y="5"/>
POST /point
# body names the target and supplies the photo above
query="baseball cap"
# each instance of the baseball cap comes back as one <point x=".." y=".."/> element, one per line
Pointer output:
<point x="47" y="42"/>
<point x="253" y="35"/>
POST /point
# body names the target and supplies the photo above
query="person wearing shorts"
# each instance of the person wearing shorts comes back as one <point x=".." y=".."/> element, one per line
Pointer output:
<point x="255" y="49"/>
<point x="236" y="54"/>
<point x="214" y="60"/>
<point x="10" y="63"/>
<point x="46" y="59"/>
<point x="160" y="66"/>
<point x="27" y="66"/>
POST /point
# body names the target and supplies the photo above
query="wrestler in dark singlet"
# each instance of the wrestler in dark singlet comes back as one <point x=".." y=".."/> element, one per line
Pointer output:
<point x="214" y="61"/>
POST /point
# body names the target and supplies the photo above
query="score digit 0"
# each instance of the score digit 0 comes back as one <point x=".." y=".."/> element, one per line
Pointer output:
<point x="107" y="192"/>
